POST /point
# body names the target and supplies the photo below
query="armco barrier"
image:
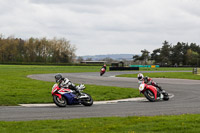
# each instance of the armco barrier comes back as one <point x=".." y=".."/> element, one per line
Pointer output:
<point x="123" y="68"/>
<point x="148" y="66"/>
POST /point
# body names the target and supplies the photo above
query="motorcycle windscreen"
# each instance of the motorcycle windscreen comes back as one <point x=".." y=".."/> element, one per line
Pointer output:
<point x="70" y="98"/>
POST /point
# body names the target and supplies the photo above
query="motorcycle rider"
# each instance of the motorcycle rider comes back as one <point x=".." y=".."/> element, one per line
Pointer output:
<point x="103" y="70"/>
<point x="65" y="83"/>
<point x="149" y="81"/>
<point x="104" y="66"/>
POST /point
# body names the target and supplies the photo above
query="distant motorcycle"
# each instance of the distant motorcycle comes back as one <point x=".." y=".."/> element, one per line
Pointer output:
<point x="102" y="71"/>
<point x="152" y="93"/>
<point x="64" y="96"/>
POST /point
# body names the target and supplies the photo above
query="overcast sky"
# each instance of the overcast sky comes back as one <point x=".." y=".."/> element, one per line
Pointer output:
<point x="104" y="26"/>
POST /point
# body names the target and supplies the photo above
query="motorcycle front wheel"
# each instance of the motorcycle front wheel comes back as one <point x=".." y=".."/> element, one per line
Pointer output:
<point x="150" y="95"/>
<point x="166" y="96"/>
<point x="101" y="74"/>
<point x="88" y="101"/>
<point x="60" y="102"/>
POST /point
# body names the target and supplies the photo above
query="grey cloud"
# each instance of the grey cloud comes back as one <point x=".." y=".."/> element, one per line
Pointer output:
<point x="86" y="2"/>
<point x="96" y="26"/>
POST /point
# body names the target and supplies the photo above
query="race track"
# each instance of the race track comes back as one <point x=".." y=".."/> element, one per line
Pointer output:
<point x="186" y="100"/>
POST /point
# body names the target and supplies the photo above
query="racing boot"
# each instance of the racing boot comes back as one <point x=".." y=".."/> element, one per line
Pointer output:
<point x="78" y="94"/>
<point x="161" y="90"/>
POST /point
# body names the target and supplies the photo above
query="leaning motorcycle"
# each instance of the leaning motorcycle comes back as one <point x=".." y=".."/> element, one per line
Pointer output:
<point x="102" y="71"/>
<point x="152" y="93"/>
<point x="64" y="96"/>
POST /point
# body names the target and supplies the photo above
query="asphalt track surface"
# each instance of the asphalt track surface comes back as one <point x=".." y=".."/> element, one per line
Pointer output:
<point x="186" y="100"/>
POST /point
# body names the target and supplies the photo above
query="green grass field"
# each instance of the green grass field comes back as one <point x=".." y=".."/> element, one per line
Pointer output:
<point x="187" y="123"/>
<point x="16" y="88"/>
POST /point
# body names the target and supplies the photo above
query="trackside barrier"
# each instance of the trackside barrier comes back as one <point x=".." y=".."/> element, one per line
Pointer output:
<point x="123" y="68"/>
<point x="148" y="66"/>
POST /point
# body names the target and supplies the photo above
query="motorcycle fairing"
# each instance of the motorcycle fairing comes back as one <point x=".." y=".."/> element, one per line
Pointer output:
<point x="153" y="89"/>
<point x="103" y="70"/>
<point x="63" y="91"/>
<point x="59" y="95"/>
<point x="141" y="87"/>
<point x="70" y="98"/>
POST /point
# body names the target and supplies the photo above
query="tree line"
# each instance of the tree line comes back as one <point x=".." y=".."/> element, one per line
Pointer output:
<point x="36" y="50"/>
<point x="168" y="55"/>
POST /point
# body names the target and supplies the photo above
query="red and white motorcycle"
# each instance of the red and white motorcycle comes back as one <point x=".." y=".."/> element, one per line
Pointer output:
<point x="152" y="93"/>
<point x="64" y="96"/>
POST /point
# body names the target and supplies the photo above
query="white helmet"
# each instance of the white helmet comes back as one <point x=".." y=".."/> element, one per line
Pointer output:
<point x="140" y="76"/>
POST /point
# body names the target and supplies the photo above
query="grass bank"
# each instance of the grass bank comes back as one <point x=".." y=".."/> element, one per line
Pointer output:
<point x="16" y="88"/>
<point x="167" y="69"/>
<point x="187" y="123"/>
<point x="177" y="75"/>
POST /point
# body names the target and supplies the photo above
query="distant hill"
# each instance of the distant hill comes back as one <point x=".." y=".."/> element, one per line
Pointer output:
<point x="113" y="56"/>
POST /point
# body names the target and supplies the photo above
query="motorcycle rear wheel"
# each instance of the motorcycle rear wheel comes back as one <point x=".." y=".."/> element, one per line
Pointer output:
<point x="88" y="101"/>
<point x="60" y="102"/>
<point x="150" y="95"/>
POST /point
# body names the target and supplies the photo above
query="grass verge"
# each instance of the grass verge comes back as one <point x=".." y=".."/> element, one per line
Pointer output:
<point x="186" y="123"/>
<point x="177" y="75"/>
<point x="166" y="69"/>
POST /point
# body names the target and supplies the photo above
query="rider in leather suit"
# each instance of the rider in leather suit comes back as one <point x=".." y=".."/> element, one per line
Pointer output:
<point x="65" y="83"/>
<point x="149" y="81"/>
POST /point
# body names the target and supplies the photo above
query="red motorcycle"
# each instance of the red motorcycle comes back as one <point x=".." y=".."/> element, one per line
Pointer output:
<point x="103" y="70"/>
<point x="64" y="96"/>
<point x="152" y="93"/>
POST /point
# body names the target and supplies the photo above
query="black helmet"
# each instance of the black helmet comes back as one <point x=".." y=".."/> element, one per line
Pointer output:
<point x="58" y="77"/>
